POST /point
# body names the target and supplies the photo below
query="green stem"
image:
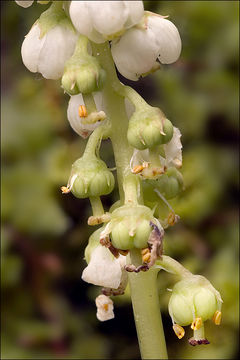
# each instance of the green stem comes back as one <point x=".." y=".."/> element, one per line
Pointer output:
<point x="97" y="207"/>
<point x="93" y="142"/>
<point x="131" y="186"/>
<point x="144" y="293"/>
<point x="146" y="308"/>
<point x="115" y="110"/>
<point x="131" y="94"/>
<point x="172" y="266"/>
<point x="89" y="103"/>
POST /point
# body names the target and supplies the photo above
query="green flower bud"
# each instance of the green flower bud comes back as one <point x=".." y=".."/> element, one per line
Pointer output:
<point x="148" y="128"/>
<point x="82" y="72"/>
<point x="193" y="298"/>
<point x="90" y="177"/>
<point x="168" y="184"/>
<point x="129" y="227"/>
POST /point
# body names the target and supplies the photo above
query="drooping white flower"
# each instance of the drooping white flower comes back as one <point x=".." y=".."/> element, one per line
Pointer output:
<point x="76" y="121"/>
<point x="47" y="52"/>
<point x="24" y="4"/>
<point x="136" y="51"/>
<point x="104" y="269"/>
<point x="104" y="308"/>
<point x="102" y="20"/>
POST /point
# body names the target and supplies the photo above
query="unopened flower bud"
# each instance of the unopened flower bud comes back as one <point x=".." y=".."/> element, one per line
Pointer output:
<point x="148" y="128"/>
<point x="129" y="227"/>
<point x="168" y="185"/>
<point x="90" y="177"/>
<point x="82" y="74"/>
<point x="193" y="301"/>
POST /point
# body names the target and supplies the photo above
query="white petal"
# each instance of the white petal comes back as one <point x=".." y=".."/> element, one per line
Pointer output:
<point x="104" y="308"/>
<point x="103" y="269"/>
<point x="75" y="120"/>
<point x="139" y="157"/>
<point x="135" y="12"/>
<point x="80" y="17"/>
<point x="167" y="39"/>
<point x="31" y="48"/>
<point x="134" y="53"/>
<point x="24" y="4"/>
<point x="173" y="149"/>
<point x="58" y="47"/>
<point x="108" y="17"/>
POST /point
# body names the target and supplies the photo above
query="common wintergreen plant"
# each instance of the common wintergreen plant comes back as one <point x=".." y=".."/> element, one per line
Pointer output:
<point x="81" y="42"/>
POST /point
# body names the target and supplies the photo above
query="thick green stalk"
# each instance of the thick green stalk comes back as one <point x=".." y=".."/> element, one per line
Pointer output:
<point x="146" y="307"/>
<point x="143" y="285"/>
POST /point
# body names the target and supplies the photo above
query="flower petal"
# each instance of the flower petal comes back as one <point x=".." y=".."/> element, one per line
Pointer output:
<point x="103" y="269"/>
<point x="104" y="308"/>
<point x="173" y="149"/>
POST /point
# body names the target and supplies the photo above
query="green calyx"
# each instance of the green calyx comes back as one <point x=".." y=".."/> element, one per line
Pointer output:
<point x="191" y="298"/>
<point x="169" y="185"/>
<point x="90" y="177"/>
<point x="93" y="242"/>
<point x="82" y="73"/>
<point x="130" y="226"/>
<point x="53" y="16"/>
<point x="148" y="127"/>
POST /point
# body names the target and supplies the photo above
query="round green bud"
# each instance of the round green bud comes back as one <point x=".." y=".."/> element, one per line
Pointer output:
<point x="169" y="185"/>
<point x="121" y="238"/>
<point x="147" y="128"/>
<point x="82" y="74"/>
<point x="142" y="234"/>
<point x="90" y="177"/>
<point x="192" y="298"/>
<point x="131" y="226"/>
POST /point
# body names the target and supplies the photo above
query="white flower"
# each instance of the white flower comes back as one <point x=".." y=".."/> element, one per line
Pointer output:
<point x="136" y="52"/>
<point x="104" y="308"/>
<point x="48" y="54"/>
<point x="76" y="121"/>
<point x="104" y="269"/>
<point x="172" y="150"/>
<point x="24" y="4"/>
<point x="102" y="20"/>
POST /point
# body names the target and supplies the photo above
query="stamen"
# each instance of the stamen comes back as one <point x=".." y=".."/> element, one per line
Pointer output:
<point x="146" y="255"/>
<point x="82" y="111"/>
<point x="65" y="190"/>
<point x="179" y="331"/>
<point x="96" y="220"/>
<point x="196" y="324"/>
<point x="217" y="317"/>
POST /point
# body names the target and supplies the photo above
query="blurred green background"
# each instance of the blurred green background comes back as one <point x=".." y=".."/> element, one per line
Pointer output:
<point x="47" y="310"/>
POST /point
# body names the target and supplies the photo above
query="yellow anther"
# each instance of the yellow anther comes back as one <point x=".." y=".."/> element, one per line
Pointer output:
<point x="82" y="111"/>
<point x="217" y="317"/>
<point x="105" y="307"/>
<point x="171" y="218"/>
<point x="179" y="331"/>
<point x="65" y="190"/>
<point x="96" y="220"/>
<point x="146" y="255"/>
<point x="139" y="168"/>
<point x="196" y="324"/>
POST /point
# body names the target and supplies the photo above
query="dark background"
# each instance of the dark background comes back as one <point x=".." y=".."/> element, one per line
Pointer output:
<point x="47" y="310"/>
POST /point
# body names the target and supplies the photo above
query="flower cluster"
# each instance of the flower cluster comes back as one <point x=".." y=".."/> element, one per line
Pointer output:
<point x="75" y="42"/>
